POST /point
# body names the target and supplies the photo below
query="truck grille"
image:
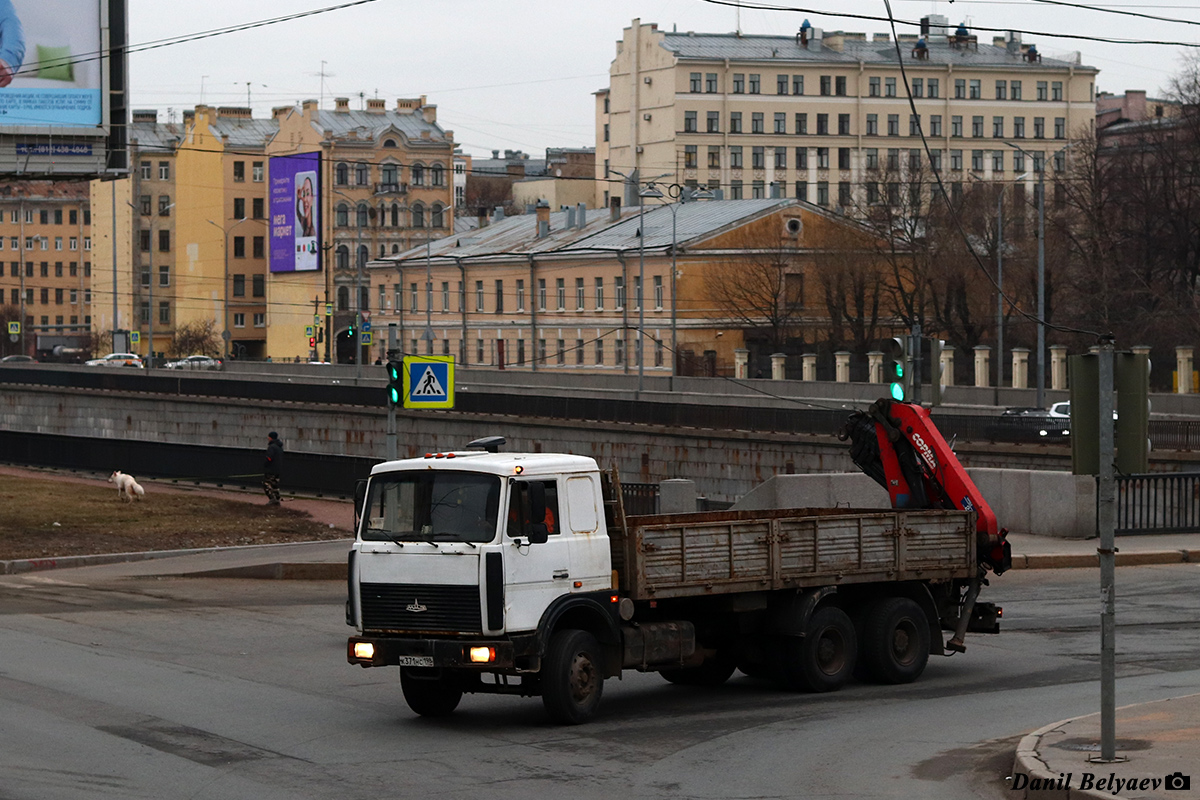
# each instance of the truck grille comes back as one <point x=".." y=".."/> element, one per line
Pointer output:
<point x="421" y="607"/>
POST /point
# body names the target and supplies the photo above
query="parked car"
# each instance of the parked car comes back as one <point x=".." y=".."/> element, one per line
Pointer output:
<point x="18" y="359"/>
<point x="117" y="360"/>
<point x="1063" y="410"/>
<point x="195" y="362"/>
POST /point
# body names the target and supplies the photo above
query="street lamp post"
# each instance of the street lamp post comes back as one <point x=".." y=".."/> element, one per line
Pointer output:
<point x="1041" y="269"/>
<point x="702" y="194"/>
<point x="225" y="334"/>
<point x="150" y="301"/>
<point x="358" y="265"/>
<point x="649" y="191"/>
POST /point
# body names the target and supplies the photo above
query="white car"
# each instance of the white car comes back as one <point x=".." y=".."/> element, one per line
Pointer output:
<point x="117" y="360"/>
<point x="195" y="362"/>
<point x="1063" y="410"/>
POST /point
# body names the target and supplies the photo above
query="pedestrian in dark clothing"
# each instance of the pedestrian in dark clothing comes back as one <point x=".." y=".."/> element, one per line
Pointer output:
<point x="273" y="468"/>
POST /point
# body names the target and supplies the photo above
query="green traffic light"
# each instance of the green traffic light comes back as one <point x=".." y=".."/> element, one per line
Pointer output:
<point x="897" y="391"/>
<point x="393" y="395"/>
<point x="393" y="371"/>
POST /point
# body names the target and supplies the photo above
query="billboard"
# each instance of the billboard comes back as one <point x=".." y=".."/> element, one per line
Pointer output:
<point x="50" y="65"/>
<point x="295" y="200"/>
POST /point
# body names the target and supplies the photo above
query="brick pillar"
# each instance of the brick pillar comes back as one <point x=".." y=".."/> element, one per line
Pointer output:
<point x="1183" y="370"/>
<point x="1020" y="368"/>
<point x="777" y="363"/>
<point x="982" y="354"/>
<point x="947" y="366"/>
<point x="875" y="367"/>
<point x="841" y="366"/>
<point x="808" y="365"/>
<point x="741" y="364"/>
<point x="1058" y="366"/>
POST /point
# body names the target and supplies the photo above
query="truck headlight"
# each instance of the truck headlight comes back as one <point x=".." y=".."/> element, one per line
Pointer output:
<point x="481" y="655"/>
<point x="364" y="650"/>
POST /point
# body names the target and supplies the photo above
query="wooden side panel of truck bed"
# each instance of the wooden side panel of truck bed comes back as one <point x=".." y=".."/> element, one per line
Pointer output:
<point x="685" y="555"/>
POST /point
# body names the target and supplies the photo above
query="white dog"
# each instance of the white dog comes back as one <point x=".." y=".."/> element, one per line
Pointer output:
<point x="127" y="488"/>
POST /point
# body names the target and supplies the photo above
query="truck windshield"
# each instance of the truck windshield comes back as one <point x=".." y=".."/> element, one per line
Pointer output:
<point x="429" y="506"/>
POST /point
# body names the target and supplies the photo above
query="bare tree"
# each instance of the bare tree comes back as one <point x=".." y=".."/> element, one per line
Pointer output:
<point x="198" y="337"/>
<point x="759" y="287"/>
<point x="851" y="281"/>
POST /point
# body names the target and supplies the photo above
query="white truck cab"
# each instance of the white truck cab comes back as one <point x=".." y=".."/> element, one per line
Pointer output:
<point x="477" y="506"/>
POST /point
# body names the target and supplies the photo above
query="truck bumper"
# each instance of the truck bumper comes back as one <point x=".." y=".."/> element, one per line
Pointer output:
<point x="482" y="654"/>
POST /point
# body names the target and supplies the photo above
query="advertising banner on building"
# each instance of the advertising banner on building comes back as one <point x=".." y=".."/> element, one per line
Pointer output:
<point x="50" y="63"/>
<point x="295" y="212"/>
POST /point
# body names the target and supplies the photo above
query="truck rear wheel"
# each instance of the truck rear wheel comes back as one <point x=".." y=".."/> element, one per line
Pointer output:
<point x="430" y="693"/>
<point x="572" y="677"/>
<point x="713" y="672"/>
<point x="895" y="641"/>
<point x="824" y="658"/>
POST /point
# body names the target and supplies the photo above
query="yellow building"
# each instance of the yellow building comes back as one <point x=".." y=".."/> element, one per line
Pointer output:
<point x="387" y="185"/>
<point x="221" y="267"/>
<point x="563" y="291"/>
<point x="813" y="116"/>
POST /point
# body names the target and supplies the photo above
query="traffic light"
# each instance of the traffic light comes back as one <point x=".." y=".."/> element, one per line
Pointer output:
<point x="350" y="330"/>
<point x="897" y="378"/>
<point x="312" y="341"/>
<point x="395" y="384"/>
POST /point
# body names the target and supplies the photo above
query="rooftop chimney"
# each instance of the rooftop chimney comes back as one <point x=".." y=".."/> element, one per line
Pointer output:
<point x="499" y="215"/>
<point x="234" y="112"/>
<point x="376" y="106"/>
<point x="145" y="115"/>
<point x="581" y="216"/>
<point x="341" y="105"/>
<point x="614" y="209"/>
<point x="570" y="217"/>
<point x="543" y="219"/>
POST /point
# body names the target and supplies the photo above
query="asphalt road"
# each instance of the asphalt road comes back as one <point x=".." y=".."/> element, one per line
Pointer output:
<point x="201" y="688"/>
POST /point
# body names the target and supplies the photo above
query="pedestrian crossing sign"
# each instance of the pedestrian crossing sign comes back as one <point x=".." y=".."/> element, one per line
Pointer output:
<point x="429" y="382"/>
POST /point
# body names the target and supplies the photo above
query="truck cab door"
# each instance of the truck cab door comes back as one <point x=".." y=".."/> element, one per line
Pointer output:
<point x="535" y="572"/>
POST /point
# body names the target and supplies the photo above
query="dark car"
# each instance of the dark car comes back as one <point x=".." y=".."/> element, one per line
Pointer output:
<point x="18" y="360"/>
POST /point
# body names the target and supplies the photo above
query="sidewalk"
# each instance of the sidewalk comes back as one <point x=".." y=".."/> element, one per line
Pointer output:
<point x="1156" y="740"/>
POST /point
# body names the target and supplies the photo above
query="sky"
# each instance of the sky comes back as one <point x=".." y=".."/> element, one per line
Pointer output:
<point x="520" y="74"/>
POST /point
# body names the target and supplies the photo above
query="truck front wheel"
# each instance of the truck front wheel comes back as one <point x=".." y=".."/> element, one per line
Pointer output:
<point x="430" y="693"/>
<point x="895" y="641"/>
<point x="824" y="658"/>
<point x="572" y="677"/>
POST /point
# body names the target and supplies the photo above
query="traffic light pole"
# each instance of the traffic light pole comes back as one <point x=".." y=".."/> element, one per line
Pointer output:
<point x="914" y="350"/>
<point x="392" y="353"/>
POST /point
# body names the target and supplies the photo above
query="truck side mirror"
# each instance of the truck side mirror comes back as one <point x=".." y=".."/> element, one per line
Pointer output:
<point x="360" y="497"/>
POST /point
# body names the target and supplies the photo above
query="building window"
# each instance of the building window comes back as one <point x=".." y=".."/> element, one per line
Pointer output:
<point x="735" y="157"/>
<point x="1042" y="94"/>
<point x="239" y="207"/>
<point x="239" y="247"/>
<point x="797" y="84"/>
<point x="520" y="294"/>
<point x="822" y="124"/>
<point x="619" y="282"/>
<point x="710" y="82"/>
<point x="781" y="84"/>
<point x="260" y="248"/>
<point x="872" y="124"/>
<point x="756" y="122"/>
<point x="257" y="172"/>
<point x="843" y="158"/>
<point x="839" y="86"/>
<point x="579" y="294"/>
<point x="541" y="298"/>
<point x="735" y="122"/>
<point x="977" y="127"/>
<point x="1056" y="90"/>
<point x="956" y="127"/>
<point x="960" y="88"/>
<point x="164" y="241"/>
<point x="713" y="122"/>
<point x="977" y="160"/>
<point x="479" y="295"/>
<point x="239" y="171"/>
<point x="976" y="89"/>
<point x="600" y="352"/>
<point x="1039" y="127"/>
<point x="239" y="320"/>
<point x="619" y="357"/>
<point x="801" y="158"/>
<point x="164" y="170"/>
<point x="689" y="122"/>
<point x="1001" y="90"/>
<point x="714" y="157"/>
<point x="997" y="161"/>
<point x="873" y="87"/>
<point x="499" y="308"/>
<point x="1018" y="127"/>
<point x="754" y="84"/>
<point x="780" y="158"/>
<point x="758" y="158"/>
<point x="826" y="85"/>
<point x="843" y="124"/>
<point x="889" y="87"/>
<point x="997" y="127"/>
<point x="956" y="160"/>
<point x="694" y="82"/>
<point x="735" y="190"/>
<point x="914" y="124"/>
<point x="146" y="168"/>
<point x="1015" y="87"/>
<point x="780" y="122"/>
<point x="437" y="175"/>
<point x="560" y="294"/>
<point x="260" y="320"/>
<point x="342" y="174"/>
<point x="689" y="156"/>
<point x="739" y="85"/>
<point x="418" y="216"/>
<point x="599" y="294"/>
<point x="239" y="285"/>
<point x="802" y="124"/>
<point x="918" y="87"/>
<point x="822" y="158"/>
<point x="893" y="123"/>
<point x="935" y="124"/>
<point x="933" y="84"/>
<point x="259" y="286"/>
<point x="823" y="193"/>
<point x="1060" y="127"/>
<point x="872" y="158"/>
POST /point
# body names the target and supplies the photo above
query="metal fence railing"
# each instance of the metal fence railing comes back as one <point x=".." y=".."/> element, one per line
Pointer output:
<point x="639" y="498"/>
<point x="1158" y="503"/>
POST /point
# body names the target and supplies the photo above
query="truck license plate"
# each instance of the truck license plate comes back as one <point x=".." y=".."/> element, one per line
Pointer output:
<point x="416" y="661"/>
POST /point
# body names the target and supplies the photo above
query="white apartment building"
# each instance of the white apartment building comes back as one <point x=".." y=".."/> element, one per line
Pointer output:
<point x="811" y="117"/>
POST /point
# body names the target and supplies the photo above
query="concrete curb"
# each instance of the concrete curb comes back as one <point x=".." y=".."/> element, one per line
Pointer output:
<point x="1027" y="761"/>
<point x="21" y="566"/>
<point x="1084" y="560"/>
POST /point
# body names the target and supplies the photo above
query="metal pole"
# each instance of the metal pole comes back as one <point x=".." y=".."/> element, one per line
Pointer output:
<point x="225" y="334"/>
<point x="357" y="294"/>
<point x="21" y="269"/>
<point x="674" y="323"/>
<point x="999" y="292"/>
<point x="114" y="260"/>
<point x="639" y="290"/>
<point x="391" y="419"/>
<point x="150" y="321"/>
<point x="1105" y="520"/>
<point x="1041" y="290"/>
<point x="428" y="299"/>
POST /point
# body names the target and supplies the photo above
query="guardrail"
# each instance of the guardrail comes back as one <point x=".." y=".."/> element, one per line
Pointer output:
<point x="797" y="419"/>
<point x="1158" y="503"/>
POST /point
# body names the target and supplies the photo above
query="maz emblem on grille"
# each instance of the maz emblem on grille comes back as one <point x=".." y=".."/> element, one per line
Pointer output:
<point x="415" y="606"/>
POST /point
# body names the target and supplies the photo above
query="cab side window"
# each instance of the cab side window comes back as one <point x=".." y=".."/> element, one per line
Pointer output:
<point x="519" y="509"/>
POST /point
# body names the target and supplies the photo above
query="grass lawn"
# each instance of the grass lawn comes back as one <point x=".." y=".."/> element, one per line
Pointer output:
<point x="46" y="518"/>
